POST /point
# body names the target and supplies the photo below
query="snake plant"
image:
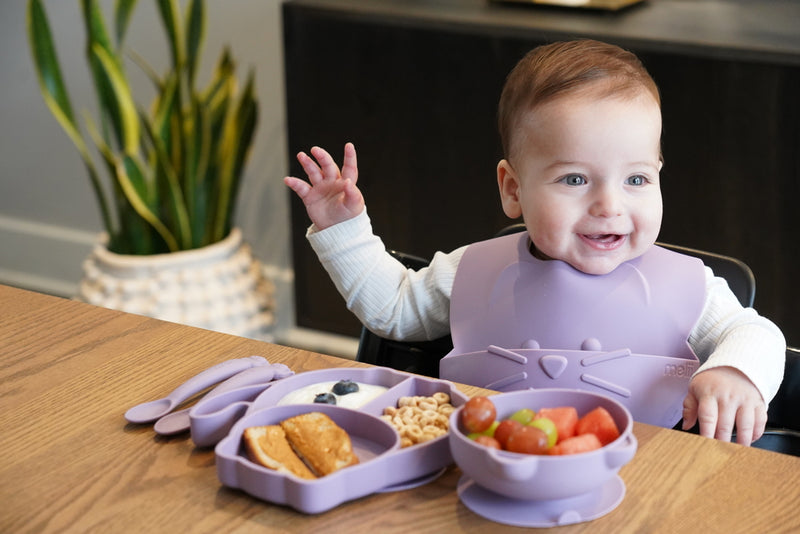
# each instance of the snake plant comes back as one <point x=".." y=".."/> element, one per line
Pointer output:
<point x="172" y="173"/>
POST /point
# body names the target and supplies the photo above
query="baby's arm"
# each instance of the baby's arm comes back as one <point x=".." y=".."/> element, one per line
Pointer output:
<point x="742" y="355"/>
<point x="721" y="397"/>
<point x="330" y="196"/>
<point x="391" y="300"/>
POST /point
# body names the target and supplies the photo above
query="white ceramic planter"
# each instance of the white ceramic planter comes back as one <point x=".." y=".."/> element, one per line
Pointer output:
<point x="220" y="287"/>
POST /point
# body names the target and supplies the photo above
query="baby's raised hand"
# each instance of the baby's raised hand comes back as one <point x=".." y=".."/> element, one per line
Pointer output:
<point x="721" y="397"/>
<point x="330" y="196"/>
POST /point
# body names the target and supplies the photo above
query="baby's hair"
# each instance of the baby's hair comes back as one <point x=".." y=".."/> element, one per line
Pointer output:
<point x="567" y="68"/>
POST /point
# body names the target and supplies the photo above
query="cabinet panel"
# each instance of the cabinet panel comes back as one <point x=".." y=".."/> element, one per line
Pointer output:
<point x="419" y="101"/>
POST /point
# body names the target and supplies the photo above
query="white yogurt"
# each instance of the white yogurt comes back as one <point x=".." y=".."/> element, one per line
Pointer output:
<point x="305" y="395"/>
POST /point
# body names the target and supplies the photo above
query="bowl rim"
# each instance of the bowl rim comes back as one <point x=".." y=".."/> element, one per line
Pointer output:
<point x="457" y="433"/>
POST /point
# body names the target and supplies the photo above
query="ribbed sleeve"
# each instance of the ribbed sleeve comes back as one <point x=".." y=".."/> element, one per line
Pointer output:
<point x="389" y="299"/>
<point x="729" y="335"/>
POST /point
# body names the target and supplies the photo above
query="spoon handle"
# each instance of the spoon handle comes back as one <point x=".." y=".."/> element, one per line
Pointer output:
<point x="212" y="375"/>
<point x="179" y="421"/>
<point x="147" y="412"/>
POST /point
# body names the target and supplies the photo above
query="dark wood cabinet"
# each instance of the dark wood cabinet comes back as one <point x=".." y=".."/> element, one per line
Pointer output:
<point x="415" y="86"/>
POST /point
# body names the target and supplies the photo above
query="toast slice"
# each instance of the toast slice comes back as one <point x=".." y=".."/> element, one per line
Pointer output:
<point x="267" y="445"/>
<point x="322" y="444"/>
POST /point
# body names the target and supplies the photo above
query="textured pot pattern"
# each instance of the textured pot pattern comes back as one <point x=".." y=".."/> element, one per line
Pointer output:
<point x="219" y="287"/>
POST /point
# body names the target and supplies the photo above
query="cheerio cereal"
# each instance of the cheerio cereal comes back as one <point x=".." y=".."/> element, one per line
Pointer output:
<point x="419" y="419"/>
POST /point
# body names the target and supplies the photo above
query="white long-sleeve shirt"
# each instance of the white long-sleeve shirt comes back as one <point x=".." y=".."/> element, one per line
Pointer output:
<point x="403" y="304"/>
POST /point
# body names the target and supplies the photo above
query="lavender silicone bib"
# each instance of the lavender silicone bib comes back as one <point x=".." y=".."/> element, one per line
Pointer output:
<point x="518" y="322"/>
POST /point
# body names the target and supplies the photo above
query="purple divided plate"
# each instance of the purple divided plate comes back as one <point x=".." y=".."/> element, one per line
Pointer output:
<point x="372" y="440"/>
<point x="407" y="467"/>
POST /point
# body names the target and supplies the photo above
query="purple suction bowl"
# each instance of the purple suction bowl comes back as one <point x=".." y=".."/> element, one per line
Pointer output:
<point x="542" y="477"/>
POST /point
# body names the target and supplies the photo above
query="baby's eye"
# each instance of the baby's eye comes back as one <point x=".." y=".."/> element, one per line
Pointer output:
<point x="636" y="180"/>
<point x="573" y="179"/>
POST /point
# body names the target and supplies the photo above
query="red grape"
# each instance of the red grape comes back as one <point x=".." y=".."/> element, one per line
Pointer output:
<point x="528" y="440"/>
<point x="488" y="441"/>
<point x="504" y="430"/>
<point x="478" y="414"/>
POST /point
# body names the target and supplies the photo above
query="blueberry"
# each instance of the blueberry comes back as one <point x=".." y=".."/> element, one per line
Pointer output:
<point x="343" y="387"/>
<point x="325" y="398"/>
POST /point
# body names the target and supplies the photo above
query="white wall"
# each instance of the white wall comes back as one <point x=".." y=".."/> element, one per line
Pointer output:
<point x="48" y="215"/>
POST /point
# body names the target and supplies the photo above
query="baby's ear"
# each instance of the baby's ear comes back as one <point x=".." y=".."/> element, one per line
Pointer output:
<point x="508" y="183"/>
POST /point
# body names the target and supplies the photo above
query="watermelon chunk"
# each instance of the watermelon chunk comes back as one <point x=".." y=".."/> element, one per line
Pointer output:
<point x="600" y="423"/>
<point x="564" y="417"/>
<point x="576" y="444"/>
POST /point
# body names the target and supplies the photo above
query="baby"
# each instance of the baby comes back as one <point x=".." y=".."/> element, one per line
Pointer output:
<point x="580" y="124"/>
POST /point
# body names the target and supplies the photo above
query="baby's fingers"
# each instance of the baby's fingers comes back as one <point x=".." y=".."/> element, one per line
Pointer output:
<point x="350" y="164"/>
<point x="744" y="427"/>
<point x="297" y="185"/>
<point x="310" y="167"/>
<point x="750" y="424"/>
<point x="689" y="411"/>
<point x="330" y="171"/>
<point x="708" y="418"/>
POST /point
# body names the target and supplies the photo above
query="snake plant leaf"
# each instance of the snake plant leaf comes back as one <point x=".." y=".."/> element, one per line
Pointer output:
<point x="165" y="108"/>
<point x="148" y="70"/>
<point x="246" y="121"/>
<point x="198" y="151"/>
<point x="106" y="153"/>
<point x="120" y="100"/>
<point x="195" y="22"/>
<point x="134" y="233"/>
<point x="247" y="118"/>
<point x="122" y="16"/>
<point x="96" y="31"/>
<point x="96" y="35"/>
<point x="224" y="164"/>
<point x="48" y="71"/>
<point x="130" y="175"/>
<point x="56" y="97"/>
<point x="170" y="18"/>
<point x="217" y="99"/>
<point x="138" y="180"/>
<point x="223" y="71"/>
<point x="236" y="138"/>
<point x="173" y="186"/>
<point x="175" y="203"/>
<point x="46" y="61"/>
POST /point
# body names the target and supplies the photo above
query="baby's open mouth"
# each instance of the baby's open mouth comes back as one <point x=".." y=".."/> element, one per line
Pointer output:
<point x="605" y="240"/>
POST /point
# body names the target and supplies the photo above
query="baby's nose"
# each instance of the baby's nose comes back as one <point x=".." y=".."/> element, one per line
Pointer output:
<point x="606" y="203"/>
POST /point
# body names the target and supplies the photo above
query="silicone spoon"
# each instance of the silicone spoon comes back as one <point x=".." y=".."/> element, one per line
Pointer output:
<point x="179" y="421"/>
<point x="153" y="410"/>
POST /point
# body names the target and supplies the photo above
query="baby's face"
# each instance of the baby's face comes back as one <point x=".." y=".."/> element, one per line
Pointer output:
<point x="585" y="178"/>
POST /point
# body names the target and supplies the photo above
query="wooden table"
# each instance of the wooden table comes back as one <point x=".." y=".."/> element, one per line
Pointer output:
<point x="70" y="462"/>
